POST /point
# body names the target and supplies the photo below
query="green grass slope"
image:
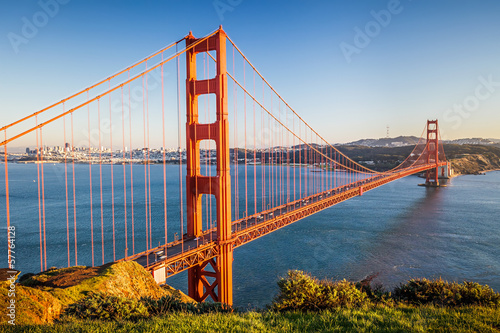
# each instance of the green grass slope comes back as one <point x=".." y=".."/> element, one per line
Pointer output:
<point x="378" y="319"/>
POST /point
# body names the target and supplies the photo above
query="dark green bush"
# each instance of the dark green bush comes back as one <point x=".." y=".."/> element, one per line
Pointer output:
<point x="439" y="292"/>
<point x="377" y="294"/>
<point x="168" y="304"/>
<point x="161" y="306"/>
<point x="25" y="277"/>
<point x="103" y="307"/>
<point x="300" y="291"/>
<point x="210" y="307"/>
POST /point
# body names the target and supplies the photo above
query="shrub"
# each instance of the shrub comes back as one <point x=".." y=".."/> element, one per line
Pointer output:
<point x="377" y="294"/>
<point x="103" y="307"/>
<point x="300" y="291"/>
<point x="168" y="304"/>
<point x="211" y="307"/>
<point x="343" y="293"/>
<point x="473" y="293"/>
<point x="25" y="277"/>
<point x="160" y="306"/>
<point x="439" y="292"/>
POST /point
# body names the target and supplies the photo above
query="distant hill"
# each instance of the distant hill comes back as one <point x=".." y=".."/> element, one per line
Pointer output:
<point x="402" y="141"/>
<point x="465" y="159"/>
<point x="399" y="141"/>
<point x="473" y="141"/>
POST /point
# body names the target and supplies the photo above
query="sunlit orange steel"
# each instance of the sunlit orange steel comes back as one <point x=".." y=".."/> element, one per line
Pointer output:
<point x="199" y="287"/>
<point x="432" y="175"/>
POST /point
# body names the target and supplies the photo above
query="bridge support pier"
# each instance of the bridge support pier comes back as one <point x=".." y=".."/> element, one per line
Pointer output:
<point x="214" y="277"/>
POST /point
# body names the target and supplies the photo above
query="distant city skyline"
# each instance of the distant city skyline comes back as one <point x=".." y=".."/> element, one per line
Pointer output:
<point x="363" y="141"/>
<point x="349" y="68"/>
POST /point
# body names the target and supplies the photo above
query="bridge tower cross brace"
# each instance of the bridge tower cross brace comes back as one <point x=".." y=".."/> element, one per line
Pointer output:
<point x="199" y="285"/>
<point x="432" y="176"/>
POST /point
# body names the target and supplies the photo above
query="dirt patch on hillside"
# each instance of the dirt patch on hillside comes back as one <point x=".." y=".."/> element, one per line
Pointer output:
<point x="71" y="278"/>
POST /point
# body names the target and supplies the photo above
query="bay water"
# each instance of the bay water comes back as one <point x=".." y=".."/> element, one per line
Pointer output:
<point x="397" y="232"/>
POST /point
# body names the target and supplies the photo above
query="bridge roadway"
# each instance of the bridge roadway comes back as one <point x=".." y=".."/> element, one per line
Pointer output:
<point x="172" y="258"/>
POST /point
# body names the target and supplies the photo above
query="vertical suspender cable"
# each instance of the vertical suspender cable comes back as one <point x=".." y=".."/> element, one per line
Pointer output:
<point x="300" y="162"/>
<point x="74" y="189"/>
<point x="329" y="163"/>
<point x="163" y="150"/>
<point x="263" y="152"/>
<point x="309" y="163"/>
<point x="325" y="171"/>
<point x="144" y="159"/>
<point x="272" y="189"/>
<point x="131" y="170"/>
<point x="306" y="162"/>
<point x="283" y="146"/>
<point x="317" y="184"/>
<point x="66" y="187"/>
<point x="124" y="178"/>
<point x="332" y="169"/>
<point x="100" y="178"/>
<point x="322" y="173"/>
<point x="287" y="162"/>
<point x="245" y="129"/>
<point x="326" y="163"/>
<point x="282" y="179"/>
<point x="149" y="164"/>
<point x="294" y="167"/>
<point x="314" y="156"/>
<point x="254" y="153"/>
<point x="39" y="195"/>
<point x="336" y="175"/>
<point x="271" y="152"/>
<point x="90" y="183"/>
<point x="313" y="164"/>
<point x="312" y="159"/>
<point x="280" y="155"/>
<point x="43" y="205"/>
<point x="112" y="176"/>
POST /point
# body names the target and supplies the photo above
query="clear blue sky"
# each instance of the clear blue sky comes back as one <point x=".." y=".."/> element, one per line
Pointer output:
<point x="429" y="59"/>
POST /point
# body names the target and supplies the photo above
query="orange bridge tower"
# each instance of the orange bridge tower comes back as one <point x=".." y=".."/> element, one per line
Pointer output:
<point x="432" y="175"/>
<point x="214" y="277"/>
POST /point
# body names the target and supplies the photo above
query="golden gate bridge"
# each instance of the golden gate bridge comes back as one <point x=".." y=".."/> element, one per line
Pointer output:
<point x="246" y="165"/>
